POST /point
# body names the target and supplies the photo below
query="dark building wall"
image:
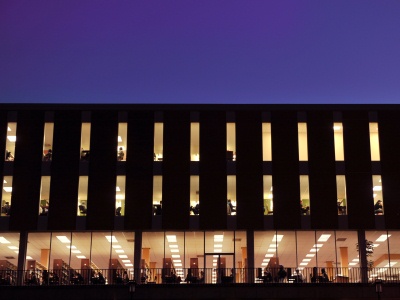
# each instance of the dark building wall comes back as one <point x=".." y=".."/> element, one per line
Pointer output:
<point x="249" y="178"/>
<point x="176" y="170"/>
<point x="102" y="170"/>
<point x="389" y="136"/>
<point x="321" y="162"/>
<point x="139" y="170"/>
<point x="285" y="169"/>
<point x="213" y="180"/>
<point x="357" y="157"/>
<point x="27" y="170"/>
<point x="65" y="170"/>
<point x="3" y="136"/>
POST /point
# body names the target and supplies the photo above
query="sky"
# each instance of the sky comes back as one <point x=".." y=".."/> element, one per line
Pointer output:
<point x="200" y="51"/>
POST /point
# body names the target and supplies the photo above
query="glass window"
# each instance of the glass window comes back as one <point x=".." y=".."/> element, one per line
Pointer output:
<point x="122" y="134"/>
<point x="9" y="244"/>
<point x="194" y="141"/>
<point x="85" y="141"/>
<point x="341" y="194"/>
<point x="378" y="256"/>
<point x="38" y="258"/>
<point x="347" y="256"/>
<point x="120" y="196"/>
<point x="121" y="257"/>
<point x="193" y="256"/>
<point x="10" y="142"/>
<point x="268" y="195"/>
<point x="172" y="265"/>
<point x="48" y="141"/>
<point x="44" y="196"/>
<point x="80" y="248"/>
<point x="100" y="257"/>
<point x="6" y="196"/>
<point x="231" y="194"/>
<point x="154" y="243"/>
<point x="374" y="141"/>
<point x="304" y="195"/>
<point x="157" y="195"/>
<point x="267" y="141"/>
<point x="158" y="141"/>
<point x="231" y="141"/>
<point x="338" y="138"/>
<point x="266" y="257"/>
<point x="60" y="258"/>
<point x="377" y="193"/>
<point x="302" y="133"/>
<point x="194" y="195"/>
<point x="82" y="195"/>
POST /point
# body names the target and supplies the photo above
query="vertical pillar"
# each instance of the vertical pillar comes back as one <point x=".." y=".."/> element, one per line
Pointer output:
<point x="137" y="255"/>
<point x="344" y="261"/>
<point x="23" y="244"/>
<point x="250" y="255"/>
<point x="362" y="254"/>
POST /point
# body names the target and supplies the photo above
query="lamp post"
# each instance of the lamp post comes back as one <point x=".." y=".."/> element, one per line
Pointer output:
<point x="378" y="287"/>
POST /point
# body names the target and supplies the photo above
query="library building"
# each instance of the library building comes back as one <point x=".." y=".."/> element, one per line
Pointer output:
<point x="175" y="201"/>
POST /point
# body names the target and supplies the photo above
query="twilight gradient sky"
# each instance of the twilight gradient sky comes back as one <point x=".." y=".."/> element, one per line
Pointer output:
<point x="200" y="51"/>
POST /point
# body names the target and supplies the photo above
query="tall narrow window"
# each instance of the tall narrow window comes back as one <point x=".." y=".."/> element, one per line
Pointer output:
<point x="11" y="139"/>
<point x="158" y="141"/>
<point x="44" y="196"/>
<point x="122" y="134"/>
<point x="194" y="141"/>
<point x="231" y="141"/>
<point x="194" y="195"/>
<point x="377" y="193"/>
<point x="341" y="194"/>
<point x="6" y="196"/>
<point x="157" y="195"/>
<point x="304" y="195"/>
<point x="48" y="141"/>
<point x="268" y="196"/>
<point x="302" y="133"/>
<point x="338" y="138"/>
<point x="231" y="194"/>
<point x="374" y="141"/>
<point x="266" y="141"/>
<point x="85" y="141"/>
<point x="120" y="196"/>
<point x="82" y="195"/>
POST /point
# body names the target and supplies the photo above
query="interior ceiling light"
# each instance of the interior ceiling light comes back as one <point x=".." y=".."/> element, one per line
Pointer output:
<point x="218" y="237"/>
<point x="128" y="265"/>
<point x="173" y="246"/>
<point x="175" y="256"/>
<point x="269" y="255"/>
<point x="123" y="256"/>
<point x="324" y="237"/>
<point x="111" y="239"/>
<point x="12" y="138"/>
<point x="126" y="260"/>
<point x="171" y="238"/>
<point x="63" y="239"/>
<point x="383" y="238"/>
<point x="318" y="245"/>
<point x="277" y="237"/>
<point x="119" y="251"/>
<point x="119" y="139"/>
<point x="116" y="246"/>
<point x="71" y="247"/>
<point x="175" y="250"/>
<point x="273" y="245"/>
<point x="310" y="255"/>
<point x="377" y="188"/>
<point x="117" y="189"/>
<point x="80" y="256"/>
<point x="7" y="189"/>
<point x="13" y="247"/>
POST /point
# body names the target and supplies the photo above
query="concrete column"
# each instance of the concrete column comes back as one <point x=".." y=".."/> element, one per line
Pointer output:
<point x="137" y="255"/>
<point x="250" y="255"/>
<point x="23" y="245"/>
<point x="362" y="255"/>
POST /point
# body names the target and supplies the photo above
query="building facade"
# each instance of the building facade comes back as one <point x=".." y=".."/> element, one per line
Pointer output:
<point x="219" y="193"/>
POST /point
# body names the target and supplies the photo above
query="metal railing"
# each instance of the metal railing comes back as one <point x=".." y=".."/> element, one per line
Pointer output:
<point x="198" y="276"/>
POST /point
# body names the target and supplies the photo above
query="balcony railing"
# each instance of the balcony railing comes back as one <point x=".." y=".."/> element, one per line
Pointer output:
<point x="198" y="276"/>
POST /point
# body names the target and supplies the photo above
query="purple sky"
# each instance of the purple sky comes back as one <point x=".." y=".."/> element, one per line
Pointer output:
<point x="205" y="51"/>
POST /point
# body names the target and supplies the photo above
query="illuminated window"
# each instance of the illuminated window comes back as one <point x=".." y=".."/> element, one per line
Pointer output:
<point x="304" y="195"/>
<point x="48" y="142"/>
<point x="158" y="141"/>
<point x="82" y="195"/>
<point x="338" y="138"/>
<point x="120" y="196"/>
<point x="122" y="134"/>
<point x="194" y="141"/>
<point x="268" y="195"/>
<point x="341" y="194"/>
<point x="377" y="194"/>
<point x="231" y="141"/>
<point x="302" y="134"/>
<point x="266" y="141"/>
<point x="10" y="142"/>
<point x="231" y="195"/>
<point x="374" y="141"/>
<point x="85" y="141"/>
<point x="157" y="195"/>
<point x="44" y="196"/>
<point x="194" y="195"/>
<point x="6" y="196"/>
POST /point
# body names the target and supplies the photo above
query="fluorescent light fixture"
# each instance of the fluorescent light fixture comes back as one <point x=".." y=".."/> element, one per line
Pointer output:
<point x="119" y="139"/>
<point x="173" y="246"/>
<point x="215" y="255"/>
<point x="8" y="128"/>
<point x="75" y="251"/>
<point x="318" y="245"/>
<point x="383" y="237"/>
<point x="273" y="246"/>
<point x="391" y="264"/>
<point x="356" y="260"/>
<point x="217" y="250"/>
<point x="129" y="265"/>
<point x="13" y="247"/>
<point x="119" y="251"/>
<point x="123" y="256"/>
<point x="17" y="251"/>
<point x="12" y="138"/>
<point x="175" y="256"/>
<point x="171" y="238"/>
<point x="353" y="264"/>
<point x="269" y="255"/>
<point x="63" y="239"/>
<point x="307" y="259"/>
<point x="303" y="264"/>
<point x="264" y="264"/>
<point x="116" y="246"/>
<point x="117" y="189"/>
<point x="7" y="189"/>
<point x="175" y="250"/>
<point x="336" y="127"/>
<point x="218" y="237"/>
<point x="278" y="237"/>
<point x="374" y="195"/>
<point x="120" y="197"/>
<point x="314" y="250"/>
<point x="214" y="264"/>
<point x="177" y="261"/>
<point x="271" y="250"/>
<point x="125" y="261"/>
<point x="80" y="256"/>
<point x="217" y="246"/>
<point x="29" y="257"/>
<point x="71" y="247"/>
<point x="310" y="255"/>
<point x="375" y="245"/>
<point x="324" y="237"/>
<point x="266" y="260"/>
<point x="215" y="260"/>
<point x="111" y="238"/>
<point x="377" y="188"/>
<point x="178" y="265"/>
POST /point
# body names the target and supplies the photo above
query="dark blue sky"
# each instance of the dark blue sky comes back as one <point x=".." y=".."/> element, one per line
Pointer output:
<point x="205" y="51"/>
